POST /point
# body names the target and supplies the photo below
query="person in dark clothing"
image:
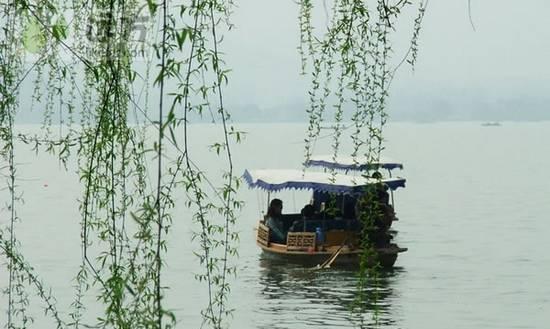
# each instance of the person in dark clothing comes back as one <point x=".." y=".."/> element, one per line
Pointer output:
<point x="273" y="221"/>
<point x="375" y="212"/>
<point x="308" y="213"/>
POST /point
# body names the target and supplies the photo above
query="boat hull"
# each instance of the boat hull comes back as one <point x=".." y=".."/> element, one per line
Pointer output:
<point x="385" y="257"/>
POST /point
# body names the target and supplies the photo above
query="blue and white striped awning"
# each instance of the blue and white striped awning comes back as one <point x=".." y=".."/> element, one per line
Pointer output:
<point x="349" y="163"/>
<point x="278" y="179"/>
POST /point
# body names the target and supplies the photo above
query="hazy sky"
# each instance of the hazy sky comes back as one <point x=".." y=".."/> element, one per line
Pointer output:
<point x="506" y="58"/>
<point x="500" y="71"/>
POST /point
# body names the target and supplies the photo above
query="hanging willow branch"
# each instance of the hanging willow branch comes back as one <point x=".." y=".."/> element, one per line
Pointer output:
<point x="356" y="47"/>
<point x="10" y="66"/>
<point x="84" y="69"/>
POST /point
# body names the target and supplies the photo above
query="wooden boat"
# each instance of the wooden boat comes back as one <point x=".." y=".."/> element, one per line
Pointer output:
<point x="341" y="243"/>
<point x="491" y="124"/>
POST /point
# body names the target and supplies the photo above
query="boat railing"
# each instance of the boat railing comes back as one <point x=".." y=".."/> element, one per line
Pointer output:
<point x="263" y="235"/>
<point x="300" y="241"/>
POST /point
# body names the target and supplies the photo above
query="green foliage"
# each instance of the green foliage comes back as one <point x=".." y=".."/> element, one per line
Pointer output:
<point x="351" y="71"/>
<point x="125" y="216"/>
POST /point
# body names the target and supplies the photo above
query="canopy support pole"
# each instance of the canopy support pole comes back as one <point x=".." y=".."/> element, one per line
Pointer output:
<point x="391" y="193"/>
<point x="268" y="201"/>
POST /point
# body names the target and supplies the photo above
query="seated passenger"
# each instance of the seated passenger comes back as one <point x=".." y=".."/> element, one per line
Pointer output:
<point x="273" y="221"/>
<point x="349" y="202"/>
<point x="376" y="217"/>
<point x="308" y="213"/>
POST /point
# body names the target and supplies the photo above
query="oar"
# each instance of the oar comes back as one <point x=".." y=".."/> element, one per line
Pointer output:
<point x="332" y="257"/>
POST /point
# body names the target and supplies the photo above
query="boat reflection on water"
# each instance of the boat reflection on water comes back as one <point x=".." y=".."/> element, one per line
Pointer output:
<point x="304" y="298"/>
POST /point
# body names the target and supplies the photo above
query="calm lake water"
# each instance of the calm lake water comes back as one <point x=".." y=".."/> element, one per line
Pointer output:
<point x="474" y="215"/>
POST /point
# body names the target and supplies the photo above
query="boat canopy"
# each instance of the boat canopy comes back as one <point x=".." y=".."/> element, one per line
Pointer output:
<point x="348" y="163"/>
<point x="275" y="180"/>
